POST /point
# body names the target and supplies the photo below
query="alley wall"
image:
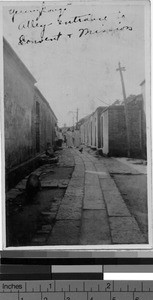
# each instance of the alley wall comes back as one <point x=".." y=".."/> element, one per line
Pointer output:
<point x="29" y="121"/>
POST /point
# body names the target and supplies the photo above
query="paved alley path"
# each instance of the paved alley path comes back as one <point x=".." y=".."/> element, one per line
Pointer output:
<point x="93" y="211"/>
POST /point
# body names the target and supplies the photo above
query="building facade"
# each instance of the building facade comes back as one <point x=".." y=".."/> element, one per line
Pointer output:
<point x="136" y="126"/>
<point x="29" y="121"/>
<point x="90" y="129"/>
<point x="113" y="139"/>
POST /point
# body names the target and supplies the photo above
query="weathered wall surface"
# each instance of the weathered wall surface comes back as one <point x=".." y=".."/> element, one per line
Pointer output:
<point x="29" y="119"/>
<point x="104" y="133"/>
<point x="18" y="101"/>
<point x="136" y="127"/>
<point x="47" y="121"/>
<point x="117" y="131"/>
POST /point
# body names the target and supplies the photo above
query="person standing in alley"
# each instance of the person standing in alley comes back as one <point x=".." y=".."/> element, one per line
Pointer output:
<point x="69" y="140"/>
<point x="60" y="138"/>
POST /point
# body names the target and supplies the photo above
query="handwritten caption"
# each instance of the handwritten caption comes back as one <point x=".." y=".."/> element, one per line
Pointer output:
<point x="39" y="25"/>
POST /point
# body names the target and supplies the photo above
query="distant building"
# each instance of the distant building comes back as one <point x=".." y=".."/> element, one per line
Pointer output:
<point x="136" y="122"/>
<point x="113" y="139"/>
<point x="90" y="129"/>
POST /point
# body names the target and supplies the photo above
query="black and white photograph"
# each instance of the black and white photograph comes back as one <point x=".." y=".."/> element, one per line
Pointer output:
<point x="76" y="118"/>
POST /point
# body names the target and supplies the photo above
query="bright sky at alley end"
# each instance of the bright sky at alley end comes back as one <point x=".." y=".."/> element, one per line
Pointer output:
<point x="73" y="50"/>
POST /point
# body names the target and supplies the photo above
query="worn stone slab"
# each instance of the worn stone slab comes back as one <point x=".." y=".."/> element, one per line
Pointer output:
<point x="77" y="175"/>
<point x="129" y="226"/>
<point x="67" y="212"/>
<point x="127" y="237"/>
<point x="63" y="181"/>
<point x="49" y="184"/>
<point x="108" y="184"/>
<point x="74" y="192"/>
<point x="65" y="232"/>
<point x="91" y="179"/>
<point x="95" y="228"/>
<point x="62" y="186"/>
<point x="100" y="167"/>
<point x="93" y="198"/>
<point x="100" y="174"/>
<point x="123" y="223"/>
<point x="75" y="202"/>
<point x="79" y="168"/>
<point x="89" y="166"/>
<point x="115" y="204"/>
<point x="76" y="182"/>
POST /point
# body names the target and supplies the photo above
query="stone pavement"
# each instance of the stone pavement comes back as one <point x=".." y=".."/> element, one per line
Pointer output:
<point x="93" y="211"/>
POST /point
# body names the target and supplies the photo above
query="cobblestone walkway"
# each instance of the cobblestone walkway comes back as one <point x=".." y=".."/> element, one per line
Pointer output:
<point x="66" y="230"/>
<point x="107" y="215"/>
<point x="93" y="211"/>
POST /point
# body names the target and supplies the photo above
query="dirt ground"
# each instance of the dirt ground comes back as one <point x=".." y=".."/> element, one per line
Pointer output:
<point x="24" y="218"/>
<point x="134" y="192"/>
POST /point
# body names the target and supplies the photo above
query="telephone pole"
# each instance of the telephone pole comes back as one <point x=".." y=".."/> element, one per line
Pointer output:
<point x="121" y="69"/>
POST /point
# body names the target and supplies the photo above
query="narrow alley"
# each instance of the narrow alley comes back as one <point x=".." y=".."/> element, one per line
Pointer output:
<point x="84" y="199"/>
<point x="76" y="165"/>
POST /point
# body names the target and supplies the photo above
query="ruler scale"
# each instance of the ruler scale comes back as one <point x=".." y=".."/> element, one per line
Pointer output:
<point x="76" y="289"/>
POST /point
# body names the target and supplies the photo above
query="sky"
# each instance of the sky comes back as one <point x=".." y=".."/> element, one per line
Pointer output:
<point x="73" y="51"/>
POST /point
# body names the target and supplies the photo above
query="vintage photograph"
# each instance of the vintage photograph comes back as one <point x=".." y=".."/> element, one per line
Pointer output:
<point x="76" y="78"/>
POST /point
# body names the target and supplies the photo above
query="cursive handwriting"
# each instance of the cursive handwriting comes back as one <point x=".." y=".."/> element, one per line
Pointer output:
<point x="23" y="40"/>
<point x="43" y="18"/>
<point x="85" y="31"/>
<point x="40" y="12"/>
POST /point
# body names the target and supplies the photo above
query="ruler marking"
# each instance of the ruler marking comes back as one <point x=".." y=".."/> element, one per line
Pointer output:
<point x="122" y="288"/>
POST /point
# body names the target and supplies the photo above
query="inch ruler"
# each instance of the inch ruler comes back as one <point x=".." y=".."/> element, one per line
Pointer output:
<point x="76" y="290"/>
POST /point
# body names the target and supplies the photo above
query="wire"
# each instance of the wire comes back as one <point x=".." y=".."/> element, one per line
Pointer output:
<point x="103" y="101"/>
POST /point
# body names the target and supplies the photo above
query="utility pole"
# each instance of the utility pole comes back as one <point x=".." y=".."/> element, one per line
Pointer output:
<point x="121" y="69"/>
